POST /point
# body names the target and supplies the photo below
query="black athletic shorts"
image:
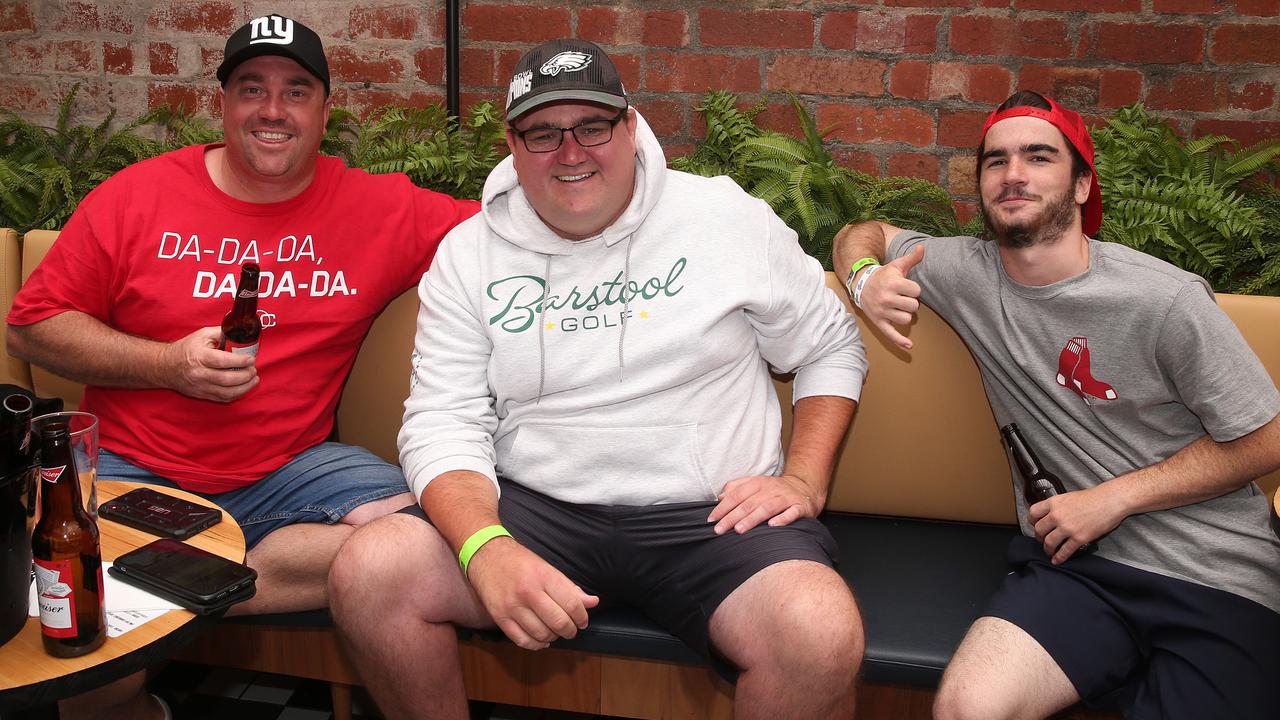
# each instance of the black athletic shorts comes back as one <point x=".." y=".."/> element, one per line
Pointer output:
<point x="664" y="560"/>
<point x="1149" y="645"/>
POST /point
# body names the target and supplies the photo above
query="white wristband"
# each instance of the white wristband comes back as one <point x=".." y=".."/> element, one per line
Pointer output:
<point x="862" y="282"/>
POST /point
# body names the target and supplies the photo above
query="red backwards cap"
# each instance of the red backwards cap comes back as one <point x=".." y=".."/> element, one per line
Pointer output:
<point x="1072" y="127"/>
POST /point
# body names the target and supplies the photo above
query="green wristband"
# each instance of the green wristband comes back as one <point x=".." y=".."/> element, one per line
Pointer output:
<point x="477" y="541"/>
<point x="861" y="263"/>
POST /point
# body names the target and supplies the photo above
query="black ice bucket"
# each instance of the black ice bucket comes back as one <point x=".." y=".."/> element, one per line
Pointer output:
<point x="17" y="515"/>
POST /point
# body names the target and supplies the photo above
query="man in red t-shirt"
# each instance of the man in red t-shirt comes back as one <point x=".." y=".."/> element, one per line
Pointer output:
<point x="130" y="298"/>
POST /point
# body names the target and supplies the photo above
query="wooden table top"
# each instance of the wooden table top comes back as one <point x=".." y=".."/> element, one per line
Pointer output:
<point x="29" y="676"/>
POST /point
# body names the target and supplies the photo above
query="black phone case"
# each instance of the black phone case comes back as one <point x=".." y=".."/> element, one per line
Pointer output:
<point x="199" y="608"/>
<point x="125" y="568"/>
<point x="160" y="514"/>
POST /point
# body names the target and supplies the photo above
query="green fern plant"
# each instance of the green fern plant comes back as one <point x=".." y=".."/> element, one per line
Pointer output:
<point x="425" y="143"/>
<point x="803" y="182"/>
<point x="182" y="127"/>
<point x="1194" y="203"/>
<point x="44" y="172"/>
<point x="727" y="129"/>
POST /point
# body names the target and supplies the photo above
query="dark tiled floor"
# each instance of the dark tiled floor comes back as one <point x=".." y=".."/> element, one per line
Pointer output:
<point x="199" y="692"/>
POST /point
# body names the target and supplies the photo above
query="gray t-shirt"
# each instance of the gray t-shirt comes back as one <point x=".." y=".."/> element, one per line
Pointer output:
<point x="1110" y="371"/>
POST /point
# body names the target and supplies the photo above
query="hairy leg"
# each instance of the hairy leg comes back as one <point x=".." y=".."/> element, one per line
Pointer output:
<point x="395" y="591"/>
<point x="293" y="562"/>
<point x="795" y="631"/>
<point x="999" y="672"/>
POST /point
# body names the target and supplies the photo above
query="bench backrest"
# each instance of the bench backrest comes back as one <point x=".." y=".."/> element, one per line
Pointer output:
<point x="12" y="370"/>
<point x="923" y="443"/>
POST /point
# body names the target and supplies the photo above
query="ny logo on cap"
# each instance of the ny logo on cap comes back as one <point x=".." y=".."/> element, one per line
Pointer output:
<point x="568" y="61"/>
<point x="271" y="29"/>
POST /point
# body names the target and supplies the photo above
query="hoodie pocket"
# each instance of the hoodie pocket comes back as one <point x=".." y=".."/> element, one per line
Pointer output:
<point x="610" y="466"/>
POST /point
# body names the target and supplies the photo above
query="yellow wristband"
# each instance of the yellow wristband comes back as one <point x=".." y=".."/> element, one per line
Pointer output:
<point x="477" y="541"/>
<point x="861" y="263"/>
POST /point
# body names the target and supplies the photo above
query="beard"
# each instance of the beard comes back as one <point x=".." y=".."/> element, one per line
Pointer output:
<point x="1046" y="227"/>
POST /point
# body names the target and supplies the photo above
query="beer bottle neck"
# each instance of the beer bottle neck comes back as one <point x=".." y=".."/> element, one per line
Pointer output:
<point x="60" y="482"/>
<point x="1026" y="460"/>
<point x="246" y="294"/>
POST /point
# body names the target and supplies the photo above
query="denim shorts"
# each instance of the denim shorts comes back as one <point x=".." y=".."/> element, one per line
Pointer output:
<point x="321" y="484"/>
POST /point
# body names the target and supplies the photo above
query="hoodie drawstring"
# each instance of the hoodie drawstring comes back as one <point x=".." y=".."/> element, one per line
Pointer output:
<point x="626" y="308"/>
<point x="542" y="328"/>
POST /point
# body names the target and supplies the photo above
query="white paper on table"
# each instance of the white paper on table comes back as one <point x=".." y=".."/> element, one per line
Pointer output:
<point x="120" y="622"/>
<point x="127" y="606"/>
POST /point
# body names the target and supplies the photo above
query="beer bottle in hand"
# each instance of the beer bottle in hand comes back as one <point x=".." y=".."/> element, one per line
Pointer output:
<point x="67" y="554"/>
<point x="241" y="327"/>
<point x="1037" y="482"/>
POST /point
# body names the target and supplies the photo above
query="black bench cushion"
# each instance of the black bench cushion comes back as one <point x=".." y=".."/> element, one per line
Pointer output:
<point x="919" y="583"/>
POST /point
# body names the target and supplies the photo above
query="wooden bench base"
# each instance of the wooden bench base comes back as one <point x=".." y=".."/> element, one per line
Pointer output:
<point x="494" y="671"/>
<point x="499" y="672"/>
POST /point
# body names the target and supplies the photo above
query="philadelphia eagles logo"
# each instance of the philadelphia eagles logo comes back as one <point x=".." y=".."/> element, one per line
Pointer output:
<point x="568" y="61"/>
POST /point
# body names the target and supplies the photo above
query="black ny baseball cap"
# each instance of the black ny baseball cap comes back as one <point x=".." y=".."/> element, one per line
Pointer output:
<point x="567" y="69"/>
<point x="275" y="35"/>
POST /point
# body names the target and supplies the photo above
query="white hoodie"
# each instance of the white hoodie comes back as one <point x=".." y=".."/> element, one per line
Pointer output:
<point x="640" y="375"/>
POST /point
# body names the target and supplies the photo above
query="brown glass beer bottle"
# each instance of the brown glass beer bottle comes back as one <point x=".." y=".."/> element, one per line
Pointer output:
<point x="241" y="327"/>
<point x="67" y="554"/>
<point x="1037" y="482"/>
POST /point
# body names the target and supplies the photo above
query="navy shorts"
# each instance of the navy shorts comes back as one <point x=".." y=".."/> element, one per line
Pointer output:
<point x="321" y="484"/>
<point x="664" y="560"/>
<point x="1149" y="645"/>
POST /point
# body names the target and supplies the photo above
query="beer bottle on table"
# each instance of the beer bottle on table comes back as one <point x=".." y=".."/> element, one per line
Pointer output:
<point x="1037" y="482"/>
<point x="67" y="554"/>
<point x="241" y="327"/>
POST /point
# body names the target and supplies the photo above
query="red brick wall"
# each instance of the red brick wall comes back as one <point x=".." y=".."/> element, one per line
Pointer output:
<point x="906" y="82"/>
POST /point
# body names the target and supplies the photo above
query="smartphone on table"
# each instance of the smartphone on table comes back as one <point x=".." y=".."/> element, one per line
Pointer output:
<point x="193" y="578"/>
<point x="160" y="513"/>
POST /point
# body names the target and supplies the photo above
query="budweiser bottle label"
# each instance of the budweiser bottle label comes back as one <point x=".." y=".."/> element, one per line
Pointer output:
<point x="239" y="349"/>
<point x="57" y="603"/>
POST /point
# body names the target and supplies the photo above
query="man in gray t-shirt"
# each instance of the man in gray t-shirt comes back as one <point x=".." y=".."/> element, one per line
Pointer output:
<point x="1133" y="387"/>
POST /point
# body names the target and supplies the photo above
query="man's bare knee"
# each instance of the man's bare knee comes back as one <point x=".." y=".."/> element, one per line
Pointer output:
<point x="372" y="560"/>
<point x="818" y="630"/>
<point x="400" y="565"/>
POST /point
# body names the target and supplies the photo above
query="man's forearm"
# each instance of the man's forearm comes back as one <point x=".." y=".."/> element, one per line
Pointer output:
<point x="819" y="424"/>
<point x="459" y="503"/>
<point x="81" y="348"/>
<point x="1202" y="470"/>
<point x="853" y="242"/>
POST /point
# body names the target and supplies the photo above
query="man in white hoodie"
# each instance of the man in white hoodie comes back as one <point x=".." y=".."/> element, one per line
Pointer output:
<point x="591" y="420"/>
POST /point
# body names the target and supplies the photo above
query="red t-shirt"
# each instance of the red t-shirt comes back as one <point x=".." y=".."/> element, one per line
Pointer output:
<point x="156" y="251"/>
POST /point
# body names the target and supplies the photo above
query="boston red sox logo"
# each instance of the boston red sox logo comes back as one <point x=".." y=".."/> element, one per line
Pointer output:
<point x="1075" y="374"/>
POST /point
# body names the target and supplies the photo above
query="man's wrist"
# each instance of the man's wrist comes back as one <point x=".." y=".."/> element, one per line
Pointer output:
<point x="858" y="267"/>
<point x="815" y="495"/>
<point x="476" y="541"/>
<point x="855" y="293"/>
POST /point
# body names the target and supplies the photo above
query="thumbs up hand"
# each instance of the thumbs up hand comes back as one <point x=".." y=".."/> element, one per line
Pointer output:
<point x="890" y="299"/>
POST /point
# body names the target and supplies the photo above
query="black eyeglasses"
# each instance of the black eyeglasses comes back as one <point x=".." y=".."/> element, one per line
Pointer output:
<point x="588" y="134"/>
